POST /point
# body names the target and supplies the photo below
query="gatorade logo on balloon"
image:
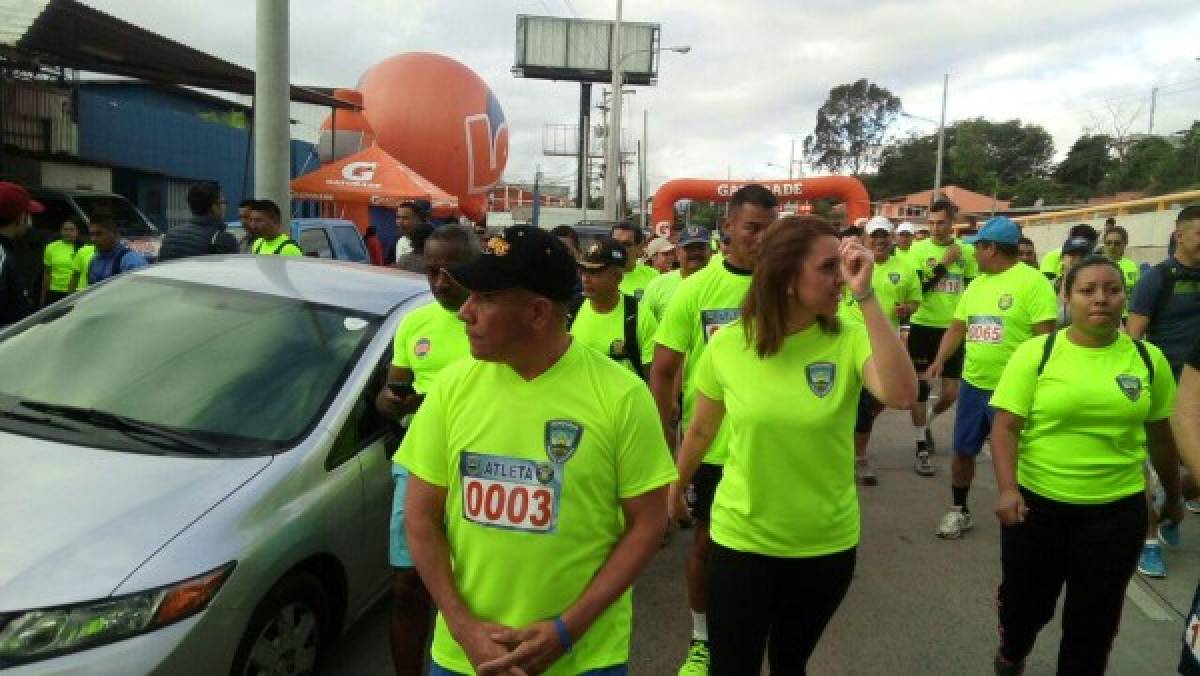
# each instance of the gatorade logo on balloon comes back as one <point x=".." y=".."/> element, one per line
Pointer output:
<point x="485" y="152"/>
<point x="361" y="172"/>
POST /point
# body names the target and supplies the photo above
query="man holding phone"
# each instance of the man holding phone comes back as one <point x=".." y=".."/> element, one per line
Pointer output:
<point x="427" y="340"/>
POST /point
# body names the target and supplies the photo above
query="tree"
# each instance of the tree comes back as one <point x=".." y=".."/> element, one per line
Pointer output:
<point x="905" y="166"/>
<point x="851" y="126"/>
<point x="1087" y="162"/>
<point x="970" y="157"/>
<point x="1146" y="160"/>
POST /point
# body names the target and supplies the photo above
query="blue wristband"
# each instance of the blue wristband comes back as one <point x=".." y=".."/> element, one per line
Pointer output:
<point x="564" y="636"/>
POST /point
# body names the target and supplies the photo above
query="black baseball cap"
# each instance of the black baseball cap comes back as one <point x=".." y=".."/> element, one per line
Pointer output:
<point x="604" y="253"/>
<point x="521" y="257"/>
<point x="1078" y="246"/>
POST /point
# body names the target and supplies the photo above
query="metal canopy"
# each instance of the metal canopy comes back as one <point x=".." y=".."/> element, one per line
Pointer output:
<point x="71" y="35"/>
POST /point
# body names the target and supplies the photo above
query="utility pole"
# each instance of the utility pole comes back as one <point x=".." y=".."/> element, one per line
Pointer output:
<point x="537" y="198"/>
<point x="612" y="161"/>
<point x="792" y="158"/>
<point x="1153" y="105"/>
<point x="272" y="147"/>
<point x="643" y="164"/>
<point x="937" y="174"/>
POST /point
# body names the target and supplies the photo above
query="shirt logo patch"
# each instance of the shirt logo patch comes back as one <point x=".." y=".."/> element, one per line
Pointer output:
<point x="562" y="439"/>
<point x="421" y="348"/>
<point x="931" y="263"/>
<point x="1006" y="301"/>
<point x="498" y="246"/>
<point x="894" y="277"/>
<point x="617" y="349"/>
<point x="1131" y="386"/>
<point x="820" y="377"/>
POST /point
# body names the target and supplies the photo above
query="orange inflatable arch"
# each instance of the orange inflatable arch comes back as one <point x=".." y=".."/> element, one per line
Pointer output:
<point x="848" y="189"/>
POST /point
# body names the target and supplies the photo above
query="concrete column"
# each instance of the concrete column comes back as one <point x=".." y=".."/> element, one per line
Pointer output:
<point x="272" y="153"/>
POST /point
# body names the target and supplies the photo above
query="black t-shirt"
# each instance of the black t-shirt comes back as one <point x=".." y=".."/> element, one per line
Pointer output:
<point x="1193" y="359"/>
<point x="16" y="299"/>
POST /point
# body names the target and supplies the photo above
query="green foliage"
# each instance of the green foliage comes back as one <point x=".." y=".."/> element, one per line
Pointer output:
<point x="851" y="126"/>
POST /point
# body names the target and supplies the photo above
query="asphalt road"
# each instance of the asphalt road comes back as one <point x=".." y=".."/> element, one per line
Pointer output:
<point x="918" y="604"/>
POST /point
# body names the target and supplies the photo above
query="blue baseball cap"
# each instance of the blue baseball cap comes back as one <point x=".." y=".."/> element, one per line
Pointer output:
<point x="694" y="234"/>
<point x="998" y="229"/>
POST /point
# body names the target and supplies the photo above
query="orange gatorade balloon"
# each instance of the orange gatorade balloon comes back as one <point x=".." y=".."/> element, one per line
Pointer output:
<point x="441" y="119"/>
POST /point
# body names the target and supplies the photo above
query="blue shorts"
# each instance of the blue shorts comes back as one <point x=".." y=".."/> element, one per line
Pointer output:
<point x="972" y="420"/>
<point x="399" y="556"/>
<point x="619" y="670"/>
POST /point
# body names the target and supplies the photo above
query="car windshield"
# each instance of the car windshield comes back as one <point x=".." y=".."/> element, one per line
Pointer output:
<point x="245" y="372"/>
<point x="119" y="210"/>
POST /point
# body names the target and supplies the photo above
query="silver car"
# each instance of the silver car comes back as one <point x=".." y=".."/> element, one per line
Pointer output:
<point x="193" y="476"/>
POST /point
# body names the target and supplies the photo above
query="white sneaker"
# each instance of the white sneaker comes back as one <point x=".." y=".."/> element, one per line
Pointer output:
<point x="954" y="524"/>
<point x="923" y="466"/>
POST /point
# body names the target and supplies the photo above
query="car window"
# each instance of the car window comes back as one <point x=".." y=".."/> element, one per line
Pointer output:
<point x="351" y="242"/>
<point x="57" y="211"/>
<point x="365" y="423"/>
<point x="118" y="209"/>
<point x="251" y="372"/>
<point x="315" y="242"/>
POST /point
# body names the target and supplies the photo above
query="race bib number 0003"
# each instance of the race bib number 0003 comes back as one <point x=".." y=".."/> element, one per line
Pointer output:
<point x="510" y="493"/>
<point x="985" y="329"/>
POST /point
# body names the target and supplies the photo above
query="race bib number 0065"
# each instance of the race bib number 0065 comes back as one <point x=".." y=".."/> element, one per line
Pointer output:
<point x="510" y="493"/>
<point x="985" y="329"/>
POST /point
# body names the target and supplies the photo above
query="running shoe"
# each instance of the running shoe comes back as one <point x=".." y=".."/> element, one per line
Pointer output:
<point x="1193" y="506"/>
<point x="696" y="663"/>
<point x="1151" y="563"/>
<point x="1005" y="668"/>
<point x="923" y="466"/>
<point x="1168" y="532"/>
<point x="864" y="474"/>
<point x="954" y="524"/>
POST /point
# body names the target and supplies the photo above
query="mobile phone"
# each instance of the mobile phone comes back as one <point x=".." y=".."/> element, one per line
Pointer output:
<point x="401" y="389"/>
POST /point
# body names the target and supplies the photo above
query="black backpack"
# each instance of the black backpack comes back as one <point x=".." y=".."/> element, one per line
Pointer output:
<point x="633" y="351"/>
<point x="1048" y="347"/>
<point x="1170" y="274"/>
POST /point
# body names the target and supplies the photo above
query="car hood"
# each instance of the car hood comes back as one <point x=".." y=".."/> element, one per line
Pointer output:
<point x="76" y="521"/>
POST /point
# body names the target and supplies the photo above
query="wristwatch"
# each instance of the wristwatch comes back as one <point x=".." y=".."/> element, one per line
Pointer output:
<point x="863" y="298"/>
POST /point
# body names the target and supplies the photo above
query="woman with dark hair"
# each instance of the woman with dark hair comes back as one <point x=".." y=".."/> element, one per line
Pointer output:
<point x="59" y="276"/>
<point x="1075" y="412"/>
<point x="785" y="520"/>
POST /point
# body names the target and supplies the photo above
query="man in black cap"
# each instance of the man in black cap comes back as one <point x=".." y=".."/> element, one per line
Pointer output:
<point x="1053" y="266"/>
<point x="607" y="320"/>
<point x="16" y="298"/>
<point x="540" y="459"/>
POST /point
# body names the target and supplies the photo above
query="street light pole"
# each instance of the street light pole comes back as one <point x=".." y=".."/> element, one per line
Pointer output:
<point x="792" y="158"/>
<point x="937" y="174"/>
<point x="642" y="167"/>
<point x="612" y="155"/>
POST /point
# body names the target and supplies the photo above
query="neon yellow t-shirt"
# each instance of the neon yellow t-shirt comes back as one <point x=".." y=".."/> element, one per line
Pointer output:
<point x="659" y="292"/>
<point x="937" y="304"/>
<point x="1131" y="273"/>
<point x="1051" y="263"/>
<point x="894" y="281"/>
<point x="781" y="495"/>
<point x="634" y="282"/>
<point x="905" y="255"/>
<point x="707" y="300"/>
<point x="83" y="260"/>
<point x="605" y="333"/>
<point x="276" y="246"/>
<point x="429" y="339"/>
<point x="1000" y="311"/>
<point x="535" y="472"/>
<point x="59" y="256"/>
<point x="1084" y="440"/>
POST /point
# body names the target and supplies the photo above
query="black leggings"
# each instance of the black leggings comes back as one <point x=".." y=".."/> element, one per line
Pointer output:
<point x="1093" y="551"/>
<point x="782" y="605"/>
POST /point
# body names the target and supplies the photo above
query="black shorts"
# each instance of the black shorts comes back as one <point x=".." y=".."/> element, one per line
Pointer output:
<point x="868" y="408"/>
<point x="923" y="343"/>
<point x="704" y="490"/>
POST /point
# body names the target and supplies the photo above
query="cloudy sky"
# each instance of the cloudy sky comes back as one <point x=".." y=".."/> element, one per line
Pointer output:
<point x="758" y="69"/>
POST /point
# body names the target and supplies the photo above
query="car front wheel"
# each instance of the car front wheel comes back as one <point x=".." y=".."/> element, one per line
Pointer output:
<point x="287" y="632"/>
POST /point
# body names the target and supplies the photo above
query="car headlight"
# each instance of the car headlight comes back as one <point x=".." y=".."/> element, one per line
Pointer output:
<point x="38" y="634"/>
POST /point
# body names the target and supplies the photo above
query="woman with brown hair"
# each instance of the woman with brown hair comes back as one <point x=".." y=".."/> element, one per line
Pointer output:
<point x="785" y="522"/>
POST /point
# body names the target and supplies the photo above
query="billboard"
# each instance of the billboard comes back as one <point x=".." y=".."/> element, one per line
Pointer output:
<point x="577" y="50"/>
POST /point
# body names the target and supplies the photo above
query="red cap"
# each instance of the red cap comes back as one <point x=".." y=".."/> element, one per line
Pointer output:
<point x="15" y="200"/>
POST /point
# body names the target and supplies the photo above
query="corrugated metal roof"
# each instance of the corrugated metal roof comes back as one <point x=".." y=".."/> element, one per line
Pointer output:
<point x="72" y="35"/>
